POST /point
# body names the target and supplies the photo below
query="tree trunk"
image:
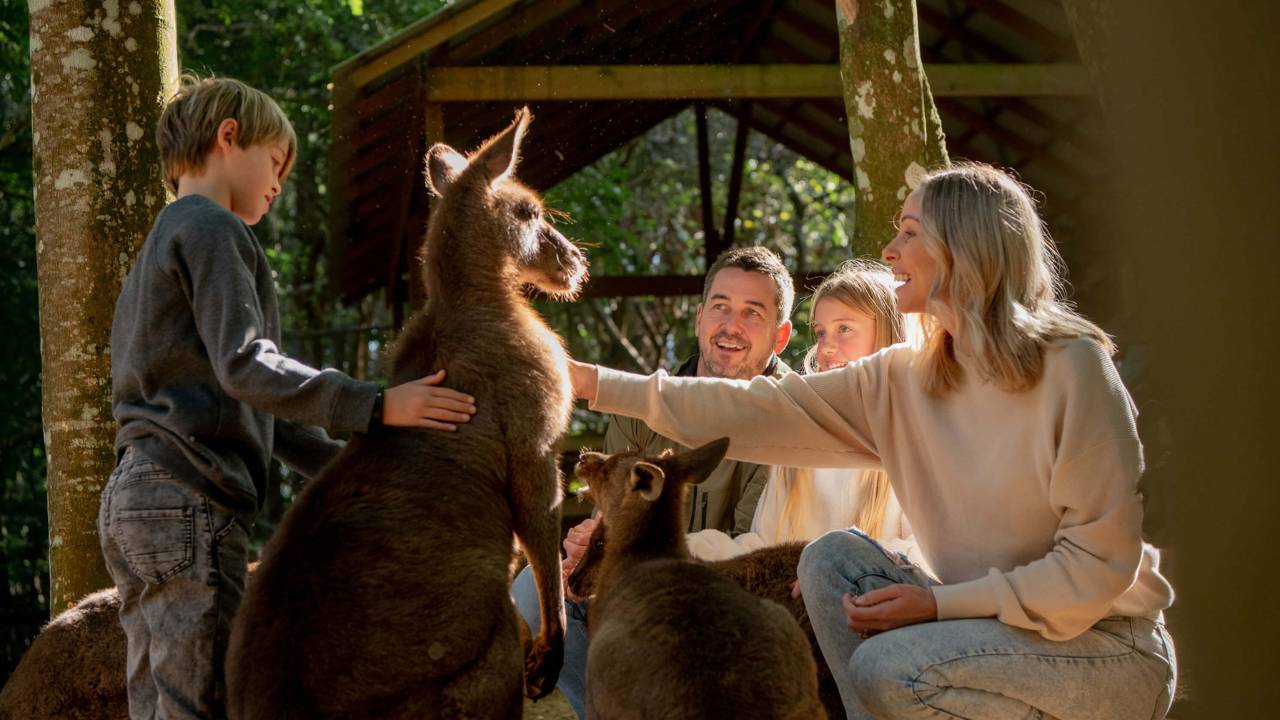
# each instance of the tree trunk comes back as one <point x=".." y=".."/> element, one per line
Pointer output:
<point x="894" y="130"/>
<point x="100" y="73"/>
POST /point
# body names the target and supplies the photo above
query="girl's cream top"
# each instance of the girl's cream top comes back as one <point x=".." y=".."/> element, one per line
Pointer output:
<point x="832" y="505"/>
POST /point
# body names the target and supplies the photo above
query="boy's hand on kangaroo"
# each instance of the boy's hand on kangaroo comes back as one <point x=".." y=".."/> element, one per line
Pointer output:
<point x="422" y="403"/>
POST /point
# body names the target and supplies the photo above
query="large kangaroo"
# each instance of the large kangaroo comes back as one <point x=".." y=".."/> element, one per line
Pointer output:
<point x="385" y="592"/>
<point x="671" y="638"/>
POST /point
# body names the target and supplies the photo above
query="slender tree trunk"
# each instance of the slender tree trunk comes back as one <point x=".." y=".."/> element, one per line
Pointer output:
<point x="894" y="130"/>
<point x="100" y="73"/>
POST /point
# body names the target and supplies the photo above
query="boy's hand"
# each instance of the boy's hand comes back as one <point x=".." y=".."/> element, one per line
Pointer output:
<point x="419" y="403"/>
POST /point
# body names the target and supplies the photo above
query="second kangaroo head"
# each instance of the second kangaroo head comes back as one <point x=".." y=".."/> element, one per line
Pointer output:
<point x="640" y="501"/>
<point x="486" y="213"/>
<point x="629" y="477"/>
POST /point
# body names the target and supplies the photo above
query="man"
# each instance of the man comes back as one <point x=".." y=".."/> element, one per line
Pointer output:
<point x="742" y="323"/>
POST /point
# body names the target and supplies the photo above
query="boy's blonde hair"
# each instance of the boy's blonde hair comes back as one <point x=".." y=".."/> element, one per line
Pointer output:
<point x="866" y="286"/>
<point x="190" y="121"/>
<point x="1001" y="276"/>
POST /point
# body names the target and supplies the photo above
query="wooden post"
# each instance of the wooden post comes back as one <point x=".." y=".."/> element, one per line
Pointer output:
<point x="100" y="76"/>
<point x="735" y="173"/>
<point x="894" y="131"/>
<point x="710" y="238"/>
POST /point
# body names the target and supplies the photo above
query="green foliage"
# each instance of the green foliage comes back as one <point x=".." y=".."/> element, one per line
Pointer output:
<point x="24" y="564"/>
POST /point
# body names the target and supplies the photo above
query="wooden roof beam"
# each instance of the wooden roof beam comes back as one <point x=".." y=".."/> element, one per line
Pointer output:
<point x="711" y="82"/>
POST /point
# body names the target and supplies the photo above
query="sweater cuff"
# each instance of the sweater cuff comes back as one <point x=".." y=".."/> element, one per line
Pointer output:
<point x="621" y="392"/>
<point x="354" y="407"/>
<point x="971" y="599"/>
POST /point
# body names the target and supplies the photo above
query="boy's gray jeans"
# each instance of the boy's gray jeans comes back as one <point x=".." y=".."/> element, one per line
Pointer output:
<point x="179" y="562"/>
<point x="1122" y="668"/>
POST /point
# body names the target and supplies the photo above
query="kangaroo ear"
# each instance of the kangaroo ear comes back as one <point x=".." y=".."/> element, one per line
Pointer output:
<point x="499" y="156"/>
<point x="444" y="165"/>
<point x="695" y="465"/>
<point x="646" y="479"/>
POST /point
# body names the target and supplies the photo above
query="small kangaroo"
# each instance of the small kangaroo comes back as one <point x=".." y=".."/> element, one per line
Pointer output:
<point x="671" y="638"/>
<point x="766" y="573"/>
<point x="385" y="591"/>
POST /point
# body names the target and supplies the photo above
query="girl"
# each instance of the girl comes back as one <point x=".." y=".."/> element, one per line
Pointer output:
<point x="854" y="314"/>
<point x="1011" y="443"/>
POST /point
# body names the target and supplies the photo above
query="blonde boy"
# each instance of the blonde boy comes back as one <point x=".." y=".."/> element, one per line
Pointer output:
<point x="204" y="397"/>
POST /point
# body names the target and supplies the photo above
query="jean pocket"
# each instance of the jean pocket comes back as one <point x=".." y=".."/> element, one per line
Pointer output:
<point x="158" y="543"/>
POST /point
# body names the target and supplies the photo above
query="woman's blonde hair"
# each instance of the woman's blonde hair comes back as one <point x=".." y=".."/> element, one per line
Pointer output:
<point x="188" y="126"/>
<point x="865" y="286"/>
<point x="1000" y="281"/>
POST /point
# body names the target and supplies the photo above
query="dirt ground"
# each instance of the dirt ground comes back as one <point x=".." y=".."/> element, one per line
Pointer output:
<point x="551" y="707"/>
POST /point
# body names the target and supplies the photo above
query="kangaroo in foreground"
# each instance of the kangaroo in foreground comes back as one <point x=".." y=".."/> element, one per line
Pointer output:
<point x="766" y="573"/>
<point x="672" y="638"/>
<point x="385" y="591"/>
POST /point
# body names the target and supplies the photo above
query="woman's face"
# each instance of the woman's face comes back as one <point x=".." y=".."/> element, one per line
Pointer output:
<point x="843" y="334"/>
<point x="912" y="264"/>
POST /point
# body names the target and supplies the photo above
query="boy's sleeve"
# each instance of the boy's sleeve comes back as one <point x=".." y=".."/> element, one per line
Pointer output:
<point x="218" y="262"/>
<point x="305" y="450"/>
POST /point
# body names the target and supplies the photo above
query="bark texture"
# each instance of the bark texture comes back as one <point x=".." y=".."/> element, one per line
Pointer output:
<point x="894" y="130"/>
<point x="101" y="70"/>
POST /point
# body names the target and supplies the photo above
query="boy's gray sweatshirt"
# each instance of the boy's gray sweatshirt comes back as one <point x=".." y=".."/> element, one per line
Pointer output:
<point x="199" y="384"/>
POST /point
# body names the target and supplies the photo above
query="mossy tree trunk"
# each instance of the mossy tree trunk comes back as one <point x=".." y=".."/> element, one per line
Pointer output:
<point x="894" y="130"/>
<point x="101" y="70"/>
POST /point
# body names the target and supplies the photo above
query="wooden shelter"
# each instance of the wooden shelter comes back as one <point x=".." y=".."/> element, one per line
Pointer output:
<point x="598" y="73"/>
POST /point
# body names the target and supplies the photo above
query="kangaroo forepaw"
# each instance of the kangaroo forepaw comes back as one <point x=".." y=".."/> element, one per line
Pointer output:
<point x="542" y="667"/>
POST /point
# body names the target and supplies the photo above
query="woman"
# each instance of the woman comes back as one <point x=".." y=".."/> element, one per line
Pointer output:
<point x="854" y="315"/>
<point x="1012" y="446"/>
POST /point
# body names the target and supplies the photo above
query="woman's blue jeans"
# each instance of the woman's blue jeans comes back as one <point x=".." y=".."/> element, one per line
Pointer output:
<point x="1123" y="668"/>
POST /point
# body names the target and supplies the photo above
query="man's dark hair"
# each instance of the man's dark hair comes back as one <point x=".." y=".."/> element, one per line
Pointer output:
<point x="757" y="259"/>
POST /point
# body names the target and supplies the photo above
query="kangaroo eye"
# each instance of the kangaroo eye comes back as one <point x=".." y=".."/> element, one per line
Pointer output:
<point x="527" y="211"/>
<point x="599" y="544"/>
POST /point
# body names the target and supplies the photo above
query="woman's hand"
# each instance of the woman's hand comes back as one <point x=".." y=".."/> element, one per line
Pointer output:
<point x="585" y="379"/>
<point x="889" y="607"/>
<point x="420" y="403"/>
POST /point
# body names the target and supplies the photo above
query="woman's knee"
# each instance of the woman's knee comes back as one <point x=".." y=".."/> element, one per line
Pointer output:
<point x="885" y="678"/>
<point x="838" y="553"/>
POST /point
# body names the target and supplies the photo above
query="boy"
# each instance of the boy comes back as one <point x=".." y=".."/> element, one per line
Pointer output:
<point x="204" y="398"/>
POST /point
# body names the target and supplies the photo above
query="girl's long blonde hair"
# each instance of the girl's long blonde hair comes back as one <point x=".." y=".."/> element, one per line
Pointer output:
<point x="867" y="287"/>
<point x="1001" y="278"/>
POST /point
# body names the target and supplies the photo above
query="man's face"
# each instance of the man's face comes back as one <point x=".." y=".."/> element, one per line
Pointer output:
<point x="738" y="329"/>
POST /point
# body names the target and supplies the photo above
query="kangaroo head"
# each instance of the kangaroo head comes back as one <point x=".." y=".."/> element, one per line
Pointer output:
<point x="636" y="495"/>
<point x="500" y="218"/>
<point x="612" y="479"/>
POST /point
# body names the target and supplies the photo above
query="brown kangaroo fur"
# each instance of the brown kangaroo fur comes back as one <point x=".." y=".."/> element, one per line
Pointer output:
<point x="766" y="573"/>
<point x="385" y="592"/>
<point x="74" y="669"/>
<point x="671" y="638"/>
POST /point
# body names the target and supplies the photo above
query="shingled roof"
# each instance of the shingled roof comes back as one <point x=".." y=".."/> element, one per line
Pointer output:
<point x="599" y="73"/>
